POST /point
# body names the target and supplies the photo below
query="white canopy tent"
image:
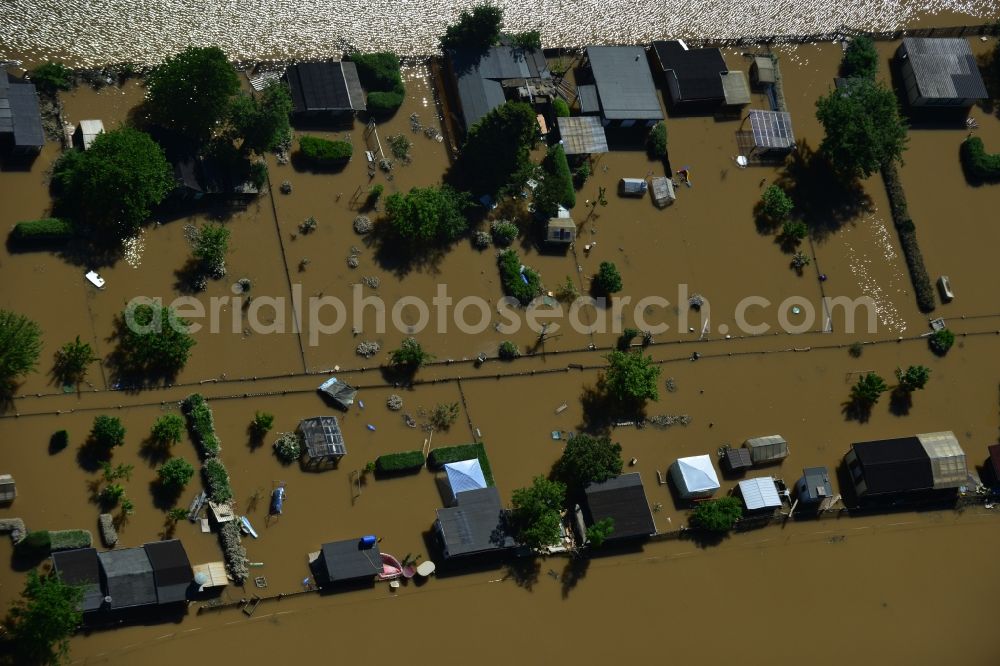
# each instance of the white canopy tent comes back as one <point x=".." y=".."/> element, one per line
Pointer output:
<point x="695" y="477"/>
<point x="759" y="493"/>
<point x="464" y="475"/>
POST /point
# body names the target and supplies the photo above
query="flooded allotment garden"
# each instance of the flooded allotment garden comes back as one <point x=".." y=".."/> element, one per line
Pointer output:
<point x="863" y="575"/>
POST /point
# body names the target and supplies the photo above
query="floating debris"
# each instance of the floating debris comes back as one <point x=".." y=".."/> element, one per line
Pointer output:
<point x="308" y="226"/>
<point x="372" y="281"/>
<point x="353" y="261"/>
<point x="671" y="385"/>
<point x="394" y="402"/>
<point x="244" y="284"/>
<point x="696" y="301"/>
<point x="409" y="421"/>
<point x="286" y="187"/>
<point x="667" y="420"/>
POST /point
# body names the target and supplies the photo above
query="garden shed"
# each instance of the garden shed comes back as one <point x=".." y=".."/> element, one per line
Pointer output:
<point x="663" y="191"/>
<point x="771" y="448"/>
<point x="560" y="230"/>
<point x="632" y="187"/>
<point x="582" y="135"/>
<point x="341" y="393"/>
<point x="814" y="486"/>
<point x="209" y="575"/>
<point x="760" y="494"/>
<point x="325" y="87"/>
<point x="762" y="71"/>
<point x="695" y="477"/>
<point x="735" y="460"/>
<point x="322" y="438"/>
<point x="464" y="475"/>
<point x="770" y="132"/>
<point x="351" y="559"/>
<point x="8" y="489"/>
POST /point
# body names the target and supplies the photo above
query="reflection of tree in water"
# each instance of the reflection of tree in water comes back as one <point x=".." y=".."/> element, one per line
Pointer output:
<point x="573" y="573"/>
<point x="524" y="572"/>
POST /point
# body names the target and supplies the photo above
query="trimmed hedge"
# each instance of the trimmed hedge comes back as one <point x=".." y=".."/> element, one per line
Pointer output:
<point x="560" y="107"/>
<point x="510" y="276"/>
<point x="380" y="75"/>
<point x="448" y="454"/>
<point x="324" y="153"/>
<point x="201" y="424"/>
<point x="46" y="230"/>
<point x="70" y="539"/>
<point x="217" y="480"/>
<point x="558" y="167"/>
<point x="979" y="165"/>
<point x="404" y="461"/>
<point x="656" y="144"/>
<point x="922" y="286"/>
<point x="35" y="544"/>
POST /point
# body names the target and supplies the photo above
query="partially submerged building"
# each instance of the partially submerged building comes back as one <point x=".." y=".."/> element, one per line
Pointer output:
<point x="156" y="574"/>
<point x="87" y="132"/>
<point x="476" y="524"/>
<point x="768" y="449"/>
<point x="814" y="487"/>
<point x="928" y="462"/>
<point x="699" y="78"/>
<point x="347" y="561"/>
<point x="481" y="80"/>
<point x="323" y="440"/>
<point x="769" y="132"/>
<point x="320" y="88"/>
<point x="695" y="477"/>
<point x="939" y="72"/>
<point x="81" y="568"/>
<point x="582" y="135"/>
<point x="20" y="119"/>
<point x="623" y="500"/>
<point x="760" y="494"/>
<point x="463" y="476"/>
<point x="624" y="86"/>
<point x="8" y="489"/>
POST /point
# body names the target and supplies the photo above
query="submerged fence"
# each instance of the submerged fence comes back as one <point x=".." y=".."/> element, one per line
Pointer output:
<point x="981" y="30"/>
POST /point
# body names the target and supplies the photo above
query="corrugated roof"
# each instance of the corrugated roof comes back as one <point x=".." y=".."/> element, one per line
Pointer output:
<point x="947" y="459"/>
<point x="582" y="135"/>
<point x="479" y="76"/>
<point x="129" y="577"/>
<point x="475" y="525"/>
<point x="325" y="86"/>
<point x="624" y="83"/>
<point x="696" y="71"/>
<point x="759" y="493"/>
<point x="944" y="68"/>
<point x="19" y="113"/>
<point x="622" y="499"/>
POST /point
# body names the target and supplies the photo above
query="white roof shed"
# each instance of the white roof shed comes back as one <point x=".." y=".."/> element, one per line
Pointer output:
<point x="695" y="477"/>
<point x="759" y="493"/>
<point x="464" y="475"/>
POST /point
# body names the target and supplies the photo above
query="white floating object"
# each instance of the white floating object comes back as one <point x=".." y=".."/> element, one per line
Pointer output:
<point x="426" y="568"/>
<point x="741" y="161"/>
<point x="95" y="279"/>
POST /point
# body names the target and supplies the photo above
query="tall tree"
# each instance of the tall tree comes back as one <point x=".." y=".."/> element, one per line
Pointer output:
<point x="115" y="183"/>
<point x="869" y="388"/>
<point x="913" y="378"/>
<point x="860" y="58"/>
<point x="20" y="345"/>
<point x="427" y="216"/>
<point x="191" y="91"/>
<point x="497" y="149"/>
<point x="43" y="619"/>
<point x="72" y="360"/>
<point x="588" y="459"/>
<point x="864" y="129"/>
<point x="631" y="378"/>
<point x="152" y="341"/>
<point x="262" y="122"/>
<point x="479" y="29"/>
<point x="535" y="512"/>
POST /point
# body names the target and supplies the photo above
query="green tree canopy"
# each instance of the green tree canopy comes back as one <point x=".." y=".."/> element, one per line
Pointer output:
<point x="20" y="345"/>
<point x="152" y="341"/>
<point x="72" y="360"/>
<point x="913" y="378"/>
<point x="589" y="459"/>
<point x="262" y="122"/>
<point x="860" y="59"/>
<point x="775" y="205"/>
<point x="428" y="215"/>
<point x="380" y="75"/>
<point x="631" y="378"/>
<point x="210" y="247"/>
<point x="656" y="142"/>
<point x="497" y="149"/>
<point x="175" y="473"/>
<point x="556" y="189"/>
<point x="535" y="512"/>
<point x="599" y="532"/>
<point x="410" y="355"/>
<point x="191" y="91"/>
<point x="107" y="432"/>
<point x="478" y="29"/>
<point x="864" y="129"/>
<point x="717" y="515"/>
<point x="52" y="76"/>
<point x="115" y="183"/>
<point x="868" y="389"/>
<point x="167" y="429"/>
<point x="530" y="39"/>
<point x="608" y="280"/>
<point x="941" y="341"/>
<point x="43" y="619"/>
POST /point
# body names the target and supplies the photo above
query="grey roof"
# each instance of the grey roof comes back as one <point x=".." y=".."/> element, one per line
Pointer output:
<point x="735" y="88"/>
<point x="772" y="129"/>
<point x="479" y="76"/>
<point x="19" y="114"/>
<point x="623" y="499"/>
<point x="350" y="559"/>
<point x="326" y="86"/>
<point x="478" y="523"/>
<point x="944" y="68"/>
<point x="81" y="567"/>
<point x="128" y="577"/>
<point x="582" y="135"/>
<point x="624" y="83"/>
<point x="589" y="103"/>
<point x="815" y="484"/>
<point x="695" y="71"/>
<point x="171" y="570"/>
<point x="322" y="437"/>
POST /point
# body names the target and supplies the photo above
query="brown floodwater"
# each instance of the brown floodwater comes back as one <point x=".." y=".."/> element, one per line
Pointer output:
<point x="868" y="587"/>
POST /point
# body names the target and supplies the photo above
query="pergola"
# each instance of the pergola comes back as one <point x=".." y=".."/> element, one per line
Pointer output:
<point x="771" y="132"/>
<point x="322" y="438"/>
<point x="582" y="135"/>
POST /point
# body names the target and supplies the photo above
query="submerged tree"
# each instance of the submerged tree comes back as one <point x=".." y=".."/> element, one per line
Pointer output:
<point x="210" y="247"/>
<point x="410" y="356"/>
<point x="478" y="29"/>
<point x="72" y="360"/>
<point x="497" y="149"/>
<point x="262" y="122"/>
<point x="599" y="532"/>
<point x="175" y="474"/>
<point x="631" y="378"/>
<point x="427" y="216"/>
<point x="717" y="515"/>
<point x="860" y="59"/>
<point x="42" y="620"/>
<point x="914" y="378"/>
<point x="608" y="280"/>
<point x="588" y="459"/>
<point x="152" y="341"/>
<point x="167" y="430"/>
<point x="191" y="91"/>
<point x="107" y="432"/>
<point x="535" y="514"/>
<point x="868" y="390"/>
<point x="20" y="345"/>
<point x="775" y="205"/>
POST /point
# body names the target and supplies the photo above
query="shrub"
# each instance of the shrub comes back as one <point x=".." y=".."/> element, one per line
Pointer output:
<point x="908" y="238"/>
<point x="374" y="193"/>
<point x="531" y="39"/>
<point x="167" y="429"/>
<point x="656" y="144"/>
<point x="409" y="355"/>
<point x="523" y="289"/>
<point x="718" y="515"/>
<point x="557" y="187"/>
<point x="508" y="350"/>
<point x="581" y="174"/>
<point x="560" y="107"/>
<point x="323" y="153"/>
<point x="46" y="230"/>
<point x="107" y="432"/>
<point x="258" y="174"/>
<point x="261" y="423"/>
<point x="444" y="415"/>
<point x="52" y="76"/>
<point x="210" y="245"/>
<point x="59" y="440"/>
<point x="217" y="480"/>
<point x="794" y="230"/>
<point x="288" y="447"/>
<point x="175" y="473"/>
<point x="941" y="341"/>
<point x="384" y="101"/>
<point x="775" y="205"/>
<point x="979" y="165"/>
<point x="428" y="215"/>
<point x="70" y="539"/>
<point x="608" y="280"/>
<point x="112" y="494"/>
<point x="202" y="425"/>
<point x="443" y="455"/>
<point x="504" y="232"/>
<point x="35" y="544"/>
<point x="380" y="76"/>
<point x="405" y="461"/>
<point x="860" y="58"/>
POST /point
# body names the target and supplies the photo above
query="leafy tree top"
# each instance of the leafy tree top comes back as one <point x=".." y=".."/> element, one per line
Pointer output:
<point x="152" y="341"/>
<point x="528" y="40"/>
<point x="860" y="58"/>
<point x="410" y="354"/>
<point x="718" y="515"/>
<point x="262" y="122"/>
<point x="631" y="377"/>
<point x="43" y="619"/>
<point x="52" y="76"/>
<point x="589" y="459"/>
<point x="535" y="512"/>
<point x="599" y="532"/>
<point x="864" y="129"/>
<point x="428" y="215"/>
<point x="608" y="280"/>
<point x="868" y="389"/>
<point x="72" y="360"/>
<point x="168" y="429"/>
<point x="913" y="378"/>
<point x="107" y="432"/>
<point x="190" y="92"/>
<point x="20" y="345"/>
<point x="175" y="473"/>
<point x="775" y="205"/>
<point x="116" y="182"/>
<point x="479" y="28"/>
<point x="497" y="149"/>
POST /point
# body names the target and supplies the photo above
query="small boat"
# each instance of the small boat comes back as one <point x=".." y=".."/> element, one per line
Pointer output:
<point x="247" y="527"/>
<point x="391" y="568"/>
<point x="277" y="500"/>
<point x="409" y="571"/>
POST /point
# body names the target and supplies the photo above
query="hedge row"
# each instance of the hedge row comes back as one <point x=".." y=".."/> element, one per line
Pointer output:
<point x="70" y="539"/>
<point x="510" y="277"/>
<point x="380" y="75"/>
<point x="557" y="166"/>
<point x="404" y="461"/>
<point x="448" y="454"/>
<point x="324" y="153"/>
<point x="47" y="230"/>
<point x="922" y="286"/>
<point x="217" y="481"/>
<point x="201" y="424"/>
<point x="980" y="166"/>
